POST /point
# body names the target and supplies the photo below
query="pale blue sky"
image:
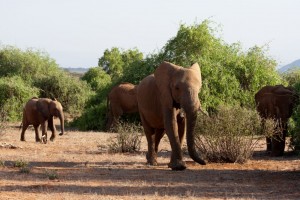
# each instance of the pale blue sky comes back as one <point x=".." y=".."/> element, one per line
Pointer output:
<point x="76" y="32"/>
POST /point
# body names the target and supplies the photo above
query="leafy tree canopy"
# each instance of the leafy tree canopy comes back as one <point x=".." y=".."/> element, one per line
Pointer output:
<point x="28" y="73"/>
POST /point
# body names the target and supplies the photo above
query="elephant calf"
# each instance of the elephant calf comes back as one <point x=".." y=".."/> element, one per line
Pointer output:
<point x="40" y="111"/>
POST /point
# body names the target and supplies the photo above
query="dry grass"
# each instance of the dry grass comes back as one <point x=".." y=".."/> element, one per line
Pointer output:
<point x="82" y="170"/>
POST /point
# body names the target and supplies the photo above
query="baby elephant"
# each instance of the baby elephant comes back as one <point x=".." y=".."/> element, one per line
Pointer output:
<point x="40" y="111"/>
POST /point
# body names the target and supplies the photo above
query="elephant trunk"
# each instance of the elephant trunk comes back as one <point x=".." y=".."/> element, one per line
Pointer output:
<point x="62" y="126"/>
<point x="191" y="118"/>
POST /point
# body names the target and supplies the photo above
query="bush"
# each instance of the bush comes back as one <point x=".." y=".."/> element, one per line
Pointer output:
<point x="93" y="118"/>
<point x="70" y="91"/>
<point x="29" y="73"/>
<point x="128" y="138"/>
<point x="97" y="78"/>
<point x="293" y="79"/>
<point x="14" y="93"/>
<point x="28" y="64"/>
<point x="228" y="135"/>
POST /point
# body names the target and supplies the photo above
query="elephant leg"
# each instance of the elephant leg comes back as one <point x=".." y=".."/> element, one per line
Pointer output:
<point x="116" y="113"/>
<point x="278" y="142"/>
<point x="109" y="120"/>
<point x="36" y="130"/>
<point x="159" y="133"/>
<point x="269" y="144"/>
<point x="181" y="128"/>
<point x="150" y="136"/>
<point x="176" y="162"/>
<point x="24" y="127"/>
<point x="44" y="131"/>
<point x="52" y="128"/>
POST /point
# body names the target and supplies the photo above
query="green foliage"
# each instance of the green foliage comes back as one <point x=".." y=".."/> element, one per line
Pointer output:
<point x="70" y="91"/>
<point x="293" y="79"/>
<point x="14" y="92"/>
<point x="21" y="164"/>
<point x="28" y="64"/>
<point x="115" y="61"/>
<point x="29" y="73"/>
<point x="97" y="78"/>
<point x="93" y="118"/>
<point x="230" y="75"/>
<point x="228" y="134"/>
<point x="51" y="174"/>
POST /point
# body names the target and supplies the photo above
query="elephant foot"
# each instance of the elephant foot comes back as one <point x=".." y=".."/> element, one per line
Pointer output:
<point x="151" y="160"/>
<point x="37" y="140"/>
<point x="23" y="139"/>
<point x="179" y="165"/>
<point x="52" y="139"/>
<point x="44" y="139"/>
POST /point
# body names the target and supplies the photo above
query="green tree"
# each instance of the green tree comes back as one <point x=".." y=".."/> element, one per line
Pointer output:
<point x="117" y="62"/>
<point x="230" y="76"/>
<point x="97" y="78"/>
<point x="28" y="64"/>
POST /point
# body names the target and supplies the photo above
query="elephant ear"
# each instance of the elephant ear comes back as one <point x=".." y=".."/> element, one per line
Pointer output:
<point x="196" y="69"/>
<point x="43" y="108"/>
<point x="163" y="75"/>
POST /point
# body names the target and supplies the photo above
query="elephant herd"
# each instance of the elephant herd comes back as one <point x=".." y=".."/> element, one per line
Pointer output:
<point x="159" y="99"/>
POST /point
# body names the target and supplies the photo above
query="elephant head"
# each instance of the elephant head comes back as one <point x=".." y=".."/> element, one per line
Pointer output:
<point x="49" y="108"/>
<point x="179" y="88"/>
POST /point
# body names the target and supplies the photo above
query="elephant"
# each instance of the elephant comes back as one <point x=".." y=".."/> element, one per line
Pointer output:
<point x="40" y="111"/>
<point x="121" y="99"/>
<point x="276" y="102"/>
<point x="160" y="98"/>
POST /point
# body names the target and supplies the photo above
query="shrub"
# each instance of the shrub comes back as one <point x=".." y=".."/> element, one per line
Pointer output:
<point x="14" y="93"/>
<point x="21" y="164"/>
<point x="93" y="118"/>
<point x="28" y="64"/>
<point x="51" y="174"/>
<point x="70" y="91"/>
<point x="128" y="138"/>
<point x="97" y="78"/>
<point x="228" y="135"/>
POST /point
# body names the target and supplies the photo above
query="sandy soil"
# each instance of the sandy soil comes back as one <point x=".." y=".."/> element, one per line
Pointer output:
<point x="83" y="169"/>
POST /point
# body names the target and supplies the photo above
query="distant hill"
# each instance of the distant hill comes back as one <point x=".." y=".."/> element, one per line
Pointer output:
<point x="77" y="70"/>
<point x="295" y="64"/>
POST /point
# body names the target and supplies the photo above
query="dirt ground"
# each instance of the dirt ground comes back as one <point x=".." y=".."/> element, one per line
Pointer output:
<point x="81" y="168"/>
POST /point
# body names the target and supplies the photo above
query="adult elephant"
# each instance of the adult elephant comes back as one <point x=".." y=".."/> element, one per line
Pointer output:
<point x="121" y="99"/>
<point x="40" y="111"/>
<point x="160" y="97"/>
<point x="276" y="102"/>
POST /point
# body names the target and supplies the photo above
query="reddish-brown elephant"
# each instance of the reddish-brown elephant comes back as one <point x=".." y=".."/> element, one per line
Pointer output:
<point x="276" y="102"/>
<point x="40" y="111"/>
<point x="121" y="99"/>
<point x="160" y="97"/>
